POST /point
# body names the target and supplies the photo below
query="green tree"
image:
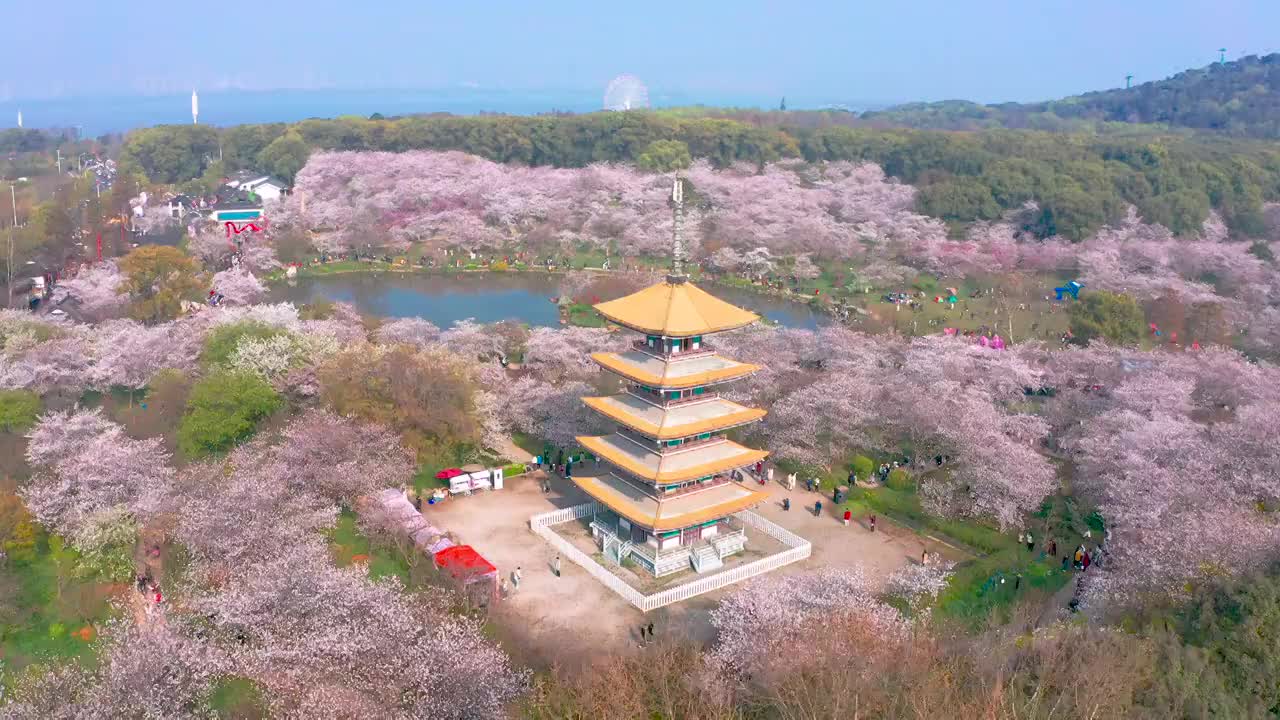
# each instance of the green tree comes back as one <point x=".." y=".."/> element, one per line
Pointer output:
<point x="18" y="410"/>
<point x="285" y="156"/>
<point x="664" y="156"/>
<point x="1102" y="314"/>
<point x="223" y="409"/>
<point x="54" y="223"/>
<point x="157" y="279"/>
<point x="171" y="153"/>
<point x="224" y="339"/>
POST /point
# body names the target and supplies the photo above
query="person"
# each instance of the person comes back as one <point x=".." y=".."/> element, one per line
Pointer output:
<point x="1053" y="548"/>
<point x="817" y="508"/>
<point x="924" y="556"/>
<point x="555" y="566"/>
<point x="1031" y="543"/>
<point x="853" y="478"/>
<point x="642" y="633"/>
<point x="1064" y="563"/>
<point x="1017" y="581"/>
<point x="1077" y="558"/>
<point x="786" y="503"/>
<point x="515" y="579"/>
<point x="1084" y="561"/>
<point x="417" y="502"/>
<point x="503" y="590"/>
<point x="769" y="473"/>
<point x="650" y="631"/>
<point x="1022" y="537"/>
<point x="873" y="523"/>
<point x="848" y="515"/>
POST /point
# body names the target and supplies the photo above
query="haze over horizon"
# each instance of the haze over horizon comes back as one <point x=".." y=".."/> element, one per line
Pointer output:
<point x="983" y="50"/>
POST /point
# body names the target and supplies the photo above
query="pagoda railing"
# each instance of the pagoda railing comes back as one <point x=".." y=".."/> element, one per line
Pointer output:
<point x="702" y="350"/>
<point x="658" y="400"/>
<point x="797" y="549"/>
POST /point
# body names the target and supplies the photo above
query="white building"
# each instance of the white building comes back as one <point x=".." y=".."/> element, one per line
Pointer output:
<point x="268" y="188"/>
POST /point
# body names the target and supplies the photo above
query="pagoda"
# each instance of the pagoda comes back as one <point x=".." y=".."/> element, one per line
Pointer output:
<point x="667" y="473"/>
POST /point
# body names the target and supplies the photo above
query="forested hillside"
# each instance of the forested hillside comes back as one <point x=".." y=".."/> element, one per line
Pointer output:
<point x="1079" y="181"/>
<point x="1240" y="98"/>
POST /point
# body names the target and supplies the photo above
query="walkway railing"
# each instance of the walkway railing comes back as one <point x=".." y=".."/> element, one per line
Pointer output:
<point x="797" y="549"/>
<point x="541" y="524"/>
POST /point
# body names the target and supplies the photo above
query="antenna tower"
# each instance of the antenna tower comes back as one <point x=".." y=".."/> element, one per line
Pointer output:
<point x="677" y="232"/>
<point x="1128" y="81"/>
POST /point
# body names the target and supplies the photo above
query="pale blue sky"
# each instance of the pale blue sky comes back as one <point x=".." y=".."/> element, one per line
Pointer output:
<point x="886" y="50"/>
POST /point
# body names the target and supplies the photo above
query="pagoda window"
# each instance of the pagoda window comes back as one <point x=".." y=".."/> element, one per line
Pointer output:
<point x="704" y="436"/>
<point x="673" y="394"/>
<point x="695" y="342"/>
<point x="699" y="390"/>
<point x="652" y="341"/>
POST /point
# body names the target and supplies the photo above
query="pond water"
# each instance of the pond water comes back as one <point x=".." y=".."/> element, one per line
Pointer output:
<point x="489" y="297"/>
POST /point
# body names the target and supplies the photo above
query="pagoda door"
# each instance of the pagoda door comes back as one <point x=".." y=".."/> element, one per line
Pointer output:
<point x="690" y="536"/>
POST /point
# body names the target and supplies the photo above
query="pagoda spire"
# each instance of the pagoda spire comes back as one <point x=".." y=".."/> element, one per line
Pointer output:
<point x="677" y="235"/>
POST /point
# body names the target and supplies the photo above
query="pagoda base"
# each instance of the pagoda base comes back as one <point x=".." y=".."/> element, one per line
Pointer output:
<point x="621" y="541"/>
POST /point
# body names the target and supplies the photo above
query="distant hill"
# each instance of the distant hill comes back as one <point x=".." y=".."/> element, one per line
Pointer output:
<point x="1239" y="98"/>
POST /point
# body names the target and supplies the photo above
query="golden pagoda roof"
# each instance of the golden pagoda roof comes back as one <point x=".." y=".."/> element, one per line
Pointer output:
<point x="675" y="373"/>
<point x="675" y="310"/>
<point x="682" y="420"/>
<point x="678" y="465"/>
<point x="669" y="513"/>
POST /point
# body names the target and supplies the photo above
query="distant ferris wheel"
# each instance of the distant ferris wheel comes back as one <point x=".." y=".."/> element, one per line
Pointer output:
<point x="626" y="92"/>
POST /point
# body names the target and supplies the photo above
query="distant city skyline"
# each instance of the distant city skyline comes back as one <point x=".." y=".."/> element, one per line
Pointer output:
<point x="981" y="50"/>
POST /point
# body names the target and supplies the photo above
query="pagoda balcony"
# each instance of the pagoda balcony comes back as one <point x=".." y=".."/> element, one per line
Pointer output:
<point x="662" y="448"/>
<point x="704" y="350"/>
<point x="716" y="481"/>
<point x="654" y="398"/>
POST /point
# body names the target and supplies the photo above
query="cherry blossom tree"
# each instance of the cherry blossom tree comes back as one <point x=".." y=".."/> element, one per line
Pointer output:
<point x="152" y="671"/>
<point x="341" y="459"/>
<point x="94" y="291"/>
<point x="310" y="632"/>
<point x="754" y="623"/>
<point x="412" y="331"/>
<point x="92" y="466"/>
<point x="239" y="286"/>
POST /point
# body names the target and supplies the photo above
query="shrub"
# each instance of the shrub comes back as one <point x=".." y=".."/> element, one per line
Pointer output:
<point x="106" y="544"/>
<point x="18" y="410"/>
<point x="224" y="339"/>
<point x="223" y="409"/>
<point x="900" y="481"/>
<point x="863" y="465"/>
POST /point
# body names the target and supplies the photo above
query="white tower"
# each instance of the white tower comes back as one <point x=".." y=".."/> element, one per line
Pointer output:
<point x="195" y="108"/>
<point x="19" y="118"/>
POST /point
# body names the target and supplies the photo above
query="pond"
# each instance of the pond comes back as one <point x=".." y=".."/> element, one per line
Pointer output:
<point x="490" y="297"/>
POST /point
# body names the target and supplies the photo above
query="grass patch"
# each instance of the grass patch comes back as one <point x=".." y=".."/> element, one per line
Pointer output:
<point x="529" y="443"/>
<point x="350" y="545"/>
<point x="238" y="698"/>
<point x="987" y="589"/>
<point x="584" y="315"/>
<point x="49" y="612"/>
<point x="18" y="410"/>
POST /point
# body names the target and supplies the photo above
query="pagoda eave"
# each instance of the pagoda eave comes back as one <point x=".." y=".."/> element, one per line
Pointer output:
<point x="675" y="310"/>
<point x="677" y="467"/>
<point x="641" y="372"/>
<point x="666" y="514"/>
<point x="719" y="415"/>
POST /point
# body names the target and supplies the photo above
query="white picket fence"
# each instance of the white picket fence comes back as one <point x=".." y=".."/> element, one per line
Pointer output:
<point x="541" y="524"/>
<point x="797" y="549"/>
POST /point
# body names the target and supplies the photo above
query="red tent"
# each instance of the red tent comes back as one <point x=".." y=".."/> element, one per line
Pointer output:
<point x="465" y="565"/>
